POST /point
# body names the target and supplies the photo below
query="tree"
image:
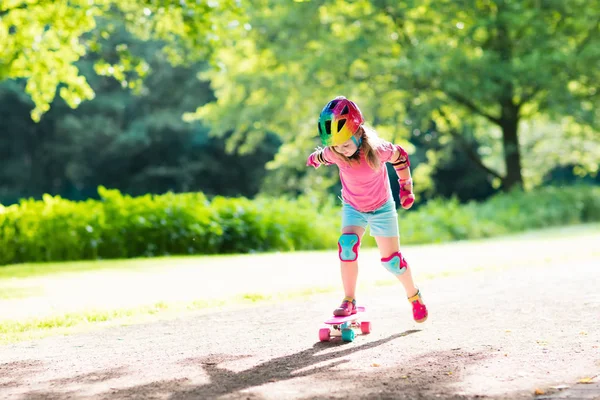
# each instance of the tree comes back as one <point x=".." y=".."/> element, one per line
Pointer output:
<point x="43" y="40"/>
<point x="487" y="64"/>
<point x="135" y="143"/>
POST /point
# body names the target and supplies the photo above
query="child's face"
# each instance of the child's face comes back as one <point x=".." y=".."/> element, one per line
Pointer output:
<point x="348" y="148"/>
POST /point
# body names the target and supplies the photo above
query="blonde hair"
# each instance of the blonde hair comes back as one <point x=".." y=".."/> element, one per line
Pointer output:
<point x="369" y="145"/>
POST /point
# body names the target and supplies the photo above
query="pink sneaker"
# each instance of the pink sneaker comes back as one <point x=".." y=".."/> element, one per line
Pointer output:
<point x="419" y="309"/>
<point x="348" y="307"/>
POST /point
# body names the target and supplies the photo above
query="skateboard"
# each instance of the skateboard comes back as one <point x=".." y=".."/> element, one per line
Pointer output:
<point x="345" y="327"/>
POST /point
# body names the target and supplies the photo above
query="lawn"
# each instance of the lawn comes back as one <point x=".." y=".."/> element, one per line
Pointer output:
<point x="41" y="299"/>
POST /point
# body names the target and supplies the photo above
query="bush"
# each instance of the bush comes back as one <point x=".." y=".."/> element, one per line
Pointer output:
<point x="445" y="220"/>
<point x="120" y="226"/>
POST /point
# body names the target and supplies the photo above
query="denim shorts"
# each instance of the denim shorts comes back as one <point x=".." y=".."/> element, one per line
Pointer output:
<point x="383" y="221"/>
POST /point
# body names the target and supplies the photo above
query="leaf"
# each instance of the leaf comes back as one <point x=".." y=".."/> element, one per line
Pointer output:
<point x="586" y="380"/>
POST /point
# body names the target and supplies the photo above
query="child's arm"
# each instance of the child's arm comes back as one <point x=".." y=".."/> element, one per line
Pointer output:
<point x="317" y="158"/>
<point x="401" y="164"/>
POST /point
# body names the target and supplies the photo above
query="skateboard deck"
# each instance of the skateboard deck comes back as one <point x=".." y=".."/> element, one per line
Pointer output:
<point x="345" y="326"/>
<point x="335" y="320"/>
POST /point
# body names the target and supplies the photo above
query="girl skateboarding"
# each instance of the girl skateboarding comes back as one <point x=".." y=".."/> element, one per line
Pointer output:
<point x="366" y="197"/>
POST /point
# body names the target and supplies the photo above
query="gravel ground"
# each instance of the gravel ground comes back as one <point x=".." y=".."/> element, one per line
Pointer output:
<point x="501" y="333"/>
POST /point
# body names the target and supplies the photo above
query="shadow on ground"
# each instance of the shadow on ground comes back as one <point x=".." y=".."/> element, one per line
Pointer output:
<point x="431" y="375"/>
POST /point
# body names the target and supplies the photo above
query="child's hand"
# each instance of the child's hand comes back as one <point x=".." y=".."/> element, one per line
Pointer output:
<point x="316" y="159"/>
<point x="312" y="161"/>
<point x="407" y="197"/>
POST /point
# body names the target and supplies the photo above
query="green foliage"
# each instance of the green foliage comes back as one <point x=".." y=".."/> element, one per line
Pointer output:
<point x="121" y="226"/>
<point x="137" y="143"/>
<point x="494" y="77"/>
<point x="445" y="220"/>
<point x="485" y="66"/>
<point x="43" y="40"/>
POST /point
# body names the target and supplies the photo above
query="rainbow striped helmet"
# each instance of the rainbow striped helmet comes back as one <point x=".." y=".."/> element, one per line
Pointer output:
<point x="339" y="121"/>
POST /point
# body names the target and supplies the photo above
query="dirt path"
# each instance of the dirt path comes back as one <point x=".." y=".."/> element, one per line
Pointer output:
<point x="219" y="278"/>
<point x="493" y="334"/>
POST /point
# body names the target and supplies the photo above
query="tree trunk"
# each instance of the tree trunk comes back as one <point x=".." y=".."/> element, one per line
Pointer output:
<point x="509" y="122"/>
<point x="509" y="117"/>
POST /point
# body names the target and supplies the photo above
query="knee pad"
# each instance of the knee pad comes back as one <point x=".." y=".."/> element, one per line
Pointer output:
<point x="348" y="245"/>
<point x="395" y="263"/>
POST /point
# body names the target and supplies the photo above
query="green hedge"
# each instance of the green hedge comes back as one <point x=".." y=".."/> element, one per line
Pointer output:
<point x="120" y="226"/>
<point x="448" y="220"/>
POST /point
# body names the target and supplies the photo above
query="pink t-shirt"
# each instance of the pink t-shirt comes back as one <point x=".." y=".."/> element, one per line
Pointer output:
<point x="364" y="188"/>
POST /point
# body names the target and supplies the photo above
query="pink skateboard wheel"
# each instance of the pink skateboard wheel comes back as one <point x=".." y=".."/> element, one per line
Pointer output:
<point x="324" y="334"/>
<point x="365" y="327"/>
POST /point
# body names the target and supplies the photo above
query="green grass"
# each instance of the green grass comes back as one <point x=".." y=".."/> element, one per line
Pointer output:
<point x="73" y="322"/>
<point x="551" y="233"/>
<point x="19" y="292"/>
<point x="11" y="331"/>
<point x="86" y="320"/>
<point x="34" y="328"/>
<point x="29" y="270"/>
<point x="45" y="269"/>
<point x="42" y="269"/>
<point x="31" y="328"/>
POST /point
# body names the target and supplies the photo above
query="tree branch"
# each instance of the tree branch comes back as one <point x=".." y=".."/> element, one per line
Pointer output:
<point x="472" y="154"/>
<point x="471" y="106"/>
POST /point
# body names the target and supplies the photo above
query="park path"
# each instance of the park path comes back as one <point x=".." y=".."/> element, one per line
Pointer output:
<point x="530" y="324"/>
<point x="188" y="279"/>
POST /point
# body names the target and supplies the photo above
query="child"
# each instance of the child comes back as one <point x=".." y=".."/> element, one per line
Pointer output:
<point x="366" y="196"/>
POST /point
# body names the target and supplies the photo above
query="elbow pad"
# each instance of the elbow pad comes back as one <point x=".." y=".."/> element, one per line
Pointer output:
<point x="402" y="162"/>
<point x="316" y="159"/>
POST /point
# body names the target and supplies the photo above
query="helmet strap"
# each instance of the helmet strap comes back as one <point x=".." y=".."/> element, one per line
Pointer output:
<point x="357" y="143"/>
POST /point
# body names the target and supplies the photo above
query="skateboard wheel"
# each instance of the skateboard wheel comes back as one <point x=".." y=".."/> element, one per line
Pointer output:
<point x="324" y="334"/>
<point x="347" y="335"/>
<point x="365" y="327"/>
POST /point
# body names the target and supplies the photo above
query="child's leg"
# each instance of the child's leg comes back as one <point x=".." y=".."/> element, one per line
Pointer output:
<point x="353" y="229"/>
<point x="349" y="244"/>
<point x="349" y="269"/>
<point x="393" y="260"/>
<point x="384" y="227"/>
<point x="390" y="246"/>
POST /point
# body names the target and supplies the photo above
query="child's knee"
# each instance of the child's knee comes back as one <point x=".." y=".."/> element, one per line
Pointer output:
<point x="348" y="245"/>
<point x="395" y="263"/>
